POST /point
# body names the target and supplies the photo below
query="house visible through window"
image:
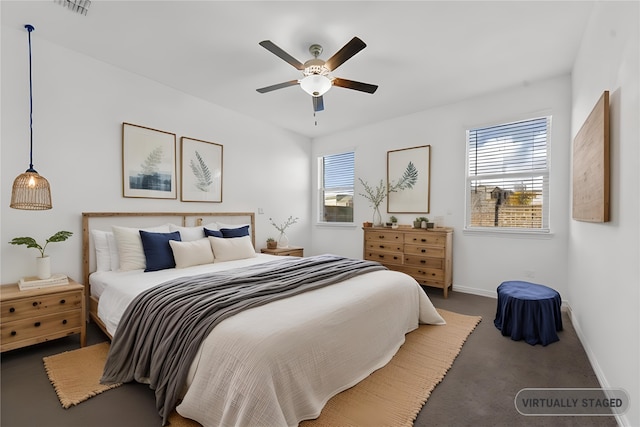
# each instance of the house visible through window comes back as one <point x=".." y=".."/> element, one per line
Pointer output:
<point x="336" y="181"/>
<point x="508" y="176"/>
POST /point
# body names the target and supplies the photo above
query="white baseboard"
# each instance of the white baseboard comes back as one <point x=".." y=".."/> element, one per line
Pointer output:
<point x="475" y="291"/>
<point x="602" y="379"/>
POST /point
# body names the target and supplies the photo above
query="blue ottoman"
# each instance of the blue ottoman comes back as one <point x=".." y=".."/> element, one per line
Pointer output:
<point x="529" y="311"/>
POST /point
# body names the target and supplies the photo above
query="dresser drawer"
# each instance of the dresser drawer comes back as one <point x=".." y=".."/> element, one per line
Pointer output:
<point x="384" y="236"/>
<point x="383" y="246"/>
<point x="47" y="326"/>
<point x="424" y="251"/>
<point x="421" y="261"/>
<point x="428" y="238"/>
<point x="38" y="305"/>
<point x="428" y="275"/>
<point x="384" y="257"/>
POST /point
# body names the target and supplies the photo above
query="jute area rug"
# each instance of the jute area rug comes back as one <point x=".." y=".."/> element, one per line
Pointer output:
<point x="391" y="396"/>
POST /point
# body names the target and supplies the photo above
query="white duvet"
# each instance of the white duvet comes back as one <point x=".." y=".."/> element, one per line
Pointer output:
<point x="278" y="364"/>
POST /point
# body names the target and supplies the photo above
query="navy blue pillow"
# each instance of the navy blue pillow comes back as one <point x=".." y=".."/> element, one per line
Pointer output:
<point x="235" y="232"/>
<point x="212" y="233"/>
<point x="157" y="250"/>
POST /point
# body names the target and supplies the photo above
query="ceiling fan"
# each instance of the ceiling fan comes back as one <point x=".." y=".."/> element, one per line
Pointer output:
<point x="317" y="79"/>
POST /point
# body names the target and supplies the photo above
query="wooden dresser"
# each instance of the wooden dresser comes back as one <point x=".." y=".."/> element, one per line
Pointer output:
<point x="38" y="315"/>
<point x="426" y="255"/>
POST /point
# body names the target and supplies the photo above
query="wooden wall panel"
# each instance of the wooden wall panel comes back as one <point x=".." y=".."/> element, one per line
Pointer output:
<point x="591" y="166"/>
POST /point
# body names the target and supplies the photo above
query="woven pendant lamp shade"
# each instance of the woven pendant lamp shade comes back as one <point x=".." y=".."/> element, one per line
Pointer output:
<point x="31" y="191"/>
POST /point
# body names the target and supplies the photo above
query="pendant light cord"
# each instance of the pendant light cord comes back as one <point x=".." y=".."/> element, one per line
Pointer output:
<point x="30" y="29"/>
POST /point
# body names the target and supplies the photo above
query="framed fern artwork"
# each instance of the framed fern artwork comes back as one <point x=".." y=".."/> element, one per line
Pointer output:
<point x="148" y="162"/>
<point x="201" y="171"/>
<point x="409" y="167"/>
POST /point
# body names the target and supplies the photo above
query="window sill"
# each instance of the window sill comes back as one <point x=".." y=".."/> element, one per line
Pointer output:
<point x="336" y="224"/>
<point x="529" y="234"/>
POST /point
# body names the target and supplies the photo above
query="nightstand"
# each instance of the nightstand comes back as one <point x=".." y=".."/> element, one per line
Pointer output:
<point x="37" y="315"/>
<point x="290" y="251"/>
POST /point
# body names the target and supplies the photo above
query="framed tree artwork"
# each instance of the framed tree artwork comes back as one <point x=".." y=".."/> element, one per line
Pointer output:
<point x="148" y="162"/>
<point x="412" y="167"/>
<point x="201" y="171"/>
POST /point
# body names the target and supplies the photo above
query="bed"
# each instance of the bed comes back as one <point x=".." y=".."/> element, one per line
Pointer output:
<point x="274" y="363"/>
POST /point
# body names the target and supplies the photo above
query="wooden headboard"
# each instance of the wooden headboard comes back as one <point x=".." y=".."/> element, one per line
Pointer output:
<point x="104" y="221"/>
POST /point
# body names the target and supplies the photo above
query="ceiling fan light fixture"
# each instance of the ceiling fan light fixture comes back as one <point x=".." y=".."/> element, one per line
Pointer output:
<point x="316" y="84"/>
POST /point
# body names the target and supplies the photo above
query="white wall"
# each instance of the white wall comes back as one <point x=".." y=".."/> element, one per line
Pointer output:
<point x="481" y="262"/>
<point x="604" y="257"/>
<point x="79" y="107"/>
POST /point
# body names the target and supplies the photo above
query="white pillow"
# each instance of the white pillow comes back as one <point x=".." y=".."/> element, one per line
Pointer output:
<point x="113" y="251"/>
<point x="103" y="256"/>
<point x="230" y="249"/>
<point x="130" y="251"/>
<point x="188" y="234"/>
<point x="190" y="253"/>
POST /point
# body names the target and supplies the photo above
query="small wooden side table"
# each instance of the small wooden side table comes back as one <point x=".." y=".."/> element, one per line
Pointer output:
<point x="37" y="315"/>
<point x="290" y="251"/>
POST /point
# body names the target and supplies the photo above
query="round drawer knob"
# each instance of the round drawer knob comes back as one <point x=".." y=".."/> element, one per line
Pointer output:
<point x="64" y="322"/>
<point x="12" y="310"/>
<point x="13" y="333"/>
<point x="62" y="301"/>
<point x="36" y="324"/>
<point x="35" y="303"/>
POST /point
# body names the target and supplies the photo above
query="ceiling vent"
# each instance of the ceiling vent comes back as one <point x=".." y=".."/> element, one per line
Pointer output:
<point x="78" y="6"/>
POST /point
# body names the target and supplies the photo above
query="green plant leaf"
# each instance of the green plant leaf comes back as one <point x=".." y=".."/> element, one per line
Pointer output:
<point x="30" y="242"/>
<point x="60" y="236"/>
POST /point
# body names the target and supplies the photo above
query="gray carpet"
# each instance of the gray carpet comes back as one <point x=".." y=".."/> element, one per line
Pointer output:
<point x="478" y="390"/>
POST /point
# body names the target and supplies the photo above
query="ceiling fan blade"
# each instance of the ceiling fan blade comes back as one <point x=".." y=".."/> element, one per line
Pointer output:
<point x="278" y="86"/>
<point x="318" y="103"/>
<point x="354" y="46"/>
<point x="350" y="84"/>
<point x="271" y="47"/>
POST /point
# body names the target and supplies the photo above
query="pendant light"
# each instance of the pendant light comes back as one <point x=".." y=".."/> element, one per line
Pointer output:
<point x="30" y="190"/>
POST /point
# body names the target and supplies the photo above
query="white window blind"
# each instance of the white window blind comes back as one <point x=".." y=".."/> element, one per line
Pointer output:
<point x="336" y="187"/>
<point x="508" y="176"/>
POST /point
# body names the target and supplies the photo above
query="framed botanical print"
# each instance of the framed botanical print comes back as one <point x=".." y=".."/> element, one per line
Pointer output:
<point x="148" y="162"/>
<point x="412" y="165"/>
<point x="201" y="172"/>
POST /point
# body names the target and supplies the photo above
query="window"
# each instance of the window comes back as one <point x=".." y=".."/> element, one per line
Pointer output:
<point x="336" y="180"/>
<point x="508" y="176"/>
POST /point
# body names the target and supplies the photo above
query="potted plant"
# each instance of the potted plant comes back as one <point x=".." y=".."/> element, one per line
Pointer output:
<point x="423" y="221"/>
<point x="417" y="223"/>
<point x="394" y="221"/>
<point x="271" y="243"/>
<point x="43" y="262"/>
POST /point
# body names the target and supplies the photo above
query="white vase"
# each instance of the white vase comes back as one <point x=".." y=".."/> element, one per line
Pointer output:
<point x="43" y="265"/>
<point x="283" y="240"/>
<point x="377" y="218"/>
